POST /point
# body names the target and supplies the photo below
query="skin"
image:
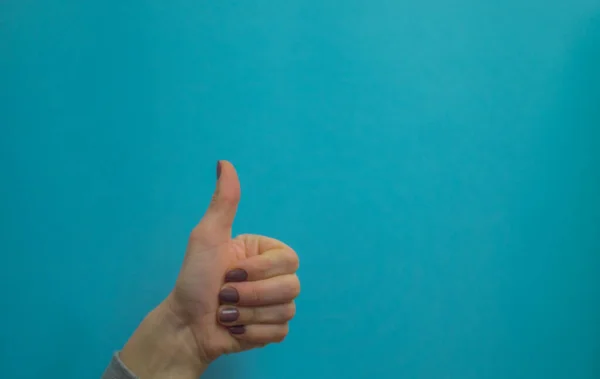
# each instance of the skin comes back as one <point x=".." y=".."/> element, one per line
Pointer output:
<point x="185" y="332"/>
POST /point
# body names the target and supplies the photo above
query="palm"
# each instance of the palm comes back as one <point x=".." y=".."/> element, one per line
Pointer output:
<point x="197" y="291"/>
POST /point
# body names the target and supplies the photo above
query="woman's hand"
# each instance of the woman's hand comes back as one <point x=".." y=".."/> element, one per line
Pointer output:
<point x="232" y="294"/>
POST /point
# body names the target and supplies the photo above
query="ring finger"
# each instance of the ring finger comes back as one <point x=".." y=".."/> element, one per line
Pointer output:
<point x="229" y="315"/>
<point x="278" y="290"/>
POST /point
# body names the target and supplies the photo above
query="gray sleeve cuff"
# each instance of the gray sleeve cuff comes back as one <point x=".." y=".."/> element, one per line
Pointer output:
<point x="117" y="370"/>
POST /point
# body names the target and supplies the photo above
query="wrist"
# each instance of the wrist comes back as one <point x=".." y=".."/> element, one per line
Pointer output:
<point x="162" y="347"/>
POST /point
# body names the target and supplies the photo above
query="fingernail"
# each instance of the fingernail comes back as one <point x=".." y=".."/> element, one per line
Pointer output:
<point x="238" y="329"/>
<point x="228" y="314"/>
<point x="218" y="169"/>
<point x="236" y="275"/>
<point x="229" y="295"/>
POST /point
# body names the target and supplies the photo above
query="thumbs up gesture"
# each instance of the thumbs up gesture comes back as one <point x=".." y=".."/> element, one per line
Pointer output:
<point x="231" y="295"/>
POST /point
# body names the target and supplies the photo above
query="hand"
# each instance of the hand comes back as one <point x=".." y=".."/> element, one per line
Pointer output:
<point x="260" y="275"/>
<point x="232" y="294"/>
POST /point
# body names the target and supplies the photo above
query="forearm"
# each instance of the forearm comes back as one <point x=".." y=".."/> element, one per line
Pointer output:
<point x="160" y="348"/>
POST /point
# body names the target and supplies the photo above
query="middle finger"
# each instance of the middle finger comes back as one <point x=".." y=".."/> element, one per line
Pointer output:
<point x="278" y="290"/>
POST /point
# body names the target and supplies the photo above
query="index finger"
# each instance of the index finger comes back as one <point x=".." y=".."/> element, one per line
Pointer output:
<point x="270" y="264"/>
<point x="256" y="244"/>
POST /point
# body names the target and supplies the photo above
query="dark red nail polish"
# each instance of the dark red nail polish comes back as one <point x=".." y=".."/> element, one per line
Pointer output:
<point x="228" y="314"/>
<point x="238" y="329"/>
<point x="236" y="275"/>
<point x="229" y="295"/>
<point x="218" y="169"/>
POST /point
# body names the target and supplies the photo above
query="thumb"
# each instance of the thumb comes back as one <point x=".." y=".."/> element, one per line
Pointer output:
<point x="218" y="219"/>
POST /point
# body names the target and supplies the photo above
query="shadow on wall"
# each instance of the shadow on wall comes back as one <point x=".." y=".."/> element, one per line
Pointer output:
<point x="579" y="112"/>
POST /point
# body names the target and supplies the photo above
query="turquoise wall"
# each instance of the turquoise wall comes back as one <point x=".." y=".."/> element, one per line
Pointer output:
<point x="436" y="164"/>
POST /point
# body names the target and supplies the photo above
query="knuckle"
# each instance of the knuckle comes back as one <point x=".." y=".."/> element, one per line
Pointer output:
<point x="242" y="237"/>
<point x="293" y="261"/>
<point x="253" y="315"/>
<point x="262" y="267"/>
<point x="289" y="311"/>
<point x="254" y="295"/>
<point x="294" y="287"/>
<point x="214" y="198"/>
<point x="279" y="337"/>
<point x="228" y="199"/>
<point x="228" y="196"/>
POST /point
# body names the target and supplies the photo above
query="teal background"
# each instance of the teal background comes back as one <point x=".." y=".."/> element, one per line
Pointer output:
<point x="436" y="164"/>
